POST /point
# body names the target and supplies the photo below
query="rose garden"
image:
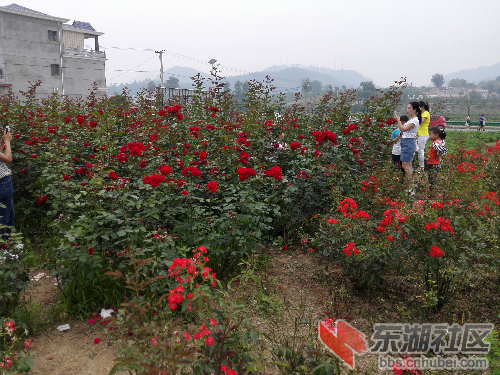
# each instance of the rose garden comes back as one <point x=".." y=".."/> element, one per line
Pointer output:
<point x="164" y="212"/>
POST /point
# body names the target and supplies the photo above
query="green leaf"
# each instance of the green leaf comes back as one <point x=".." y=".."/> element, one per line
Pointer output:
<point x="244" y="338"/>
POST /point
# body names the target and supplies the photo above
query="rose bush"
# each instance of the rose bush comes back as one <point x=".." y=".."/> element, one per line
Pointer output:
<point x="114" y="178"/>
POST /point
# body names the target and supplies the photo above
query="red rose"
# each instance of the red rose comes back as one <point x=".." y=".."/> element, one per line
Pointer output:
<point x="41" y="199"/>
<point x="113" y="176"/>
<point x="91" y="251"/>
<point x="244" y="173"/>
<point x="436" y="252"/>
<point x="212" y="186"/>
<point x="66" y="177"/>
<point x="165" y="170"/>
<point x="295" y="145"/>
<point x="274" y="172"/>
<point x="136" y="151"/>
<point x="243" y="158"/>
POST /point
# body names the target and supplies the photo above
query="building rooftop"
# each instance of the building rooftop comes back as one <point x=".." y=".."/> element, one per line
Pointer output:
<point x="81" y="25"/>
<point x="23" y="9"/>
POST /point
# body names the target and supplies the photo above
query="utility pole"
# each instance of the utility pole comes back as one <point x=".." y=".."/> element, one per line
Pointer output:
<point x="161" y="65"/>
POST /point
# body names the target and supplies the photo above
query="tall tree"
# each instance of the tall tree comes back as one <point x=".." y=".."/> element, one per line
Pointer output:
<point x="367" y="86"/>
<point x="438" y="80"/>
<point x="172" y="82"/>
<point x="316" y="87"/>
<point x="151" y="85"/>
<point x="306" y="86"/>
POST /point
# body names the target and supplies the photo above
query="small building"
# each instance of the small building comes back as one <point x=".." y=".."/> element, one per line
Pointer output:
<point x="36" y="46"/>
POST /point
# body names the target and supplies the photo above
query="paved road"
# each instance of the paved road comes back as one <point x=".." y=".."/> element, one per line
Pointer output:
<point x="473" y="128"/>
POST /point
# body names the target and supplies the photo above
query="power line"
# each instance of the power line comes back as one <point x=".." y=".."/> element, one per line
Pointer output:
<point x="131" y="69"/>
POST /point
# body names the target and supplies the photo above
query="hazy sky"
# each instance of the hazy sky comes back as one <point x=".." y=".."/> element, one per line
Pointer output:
<point x="381" y="39"/>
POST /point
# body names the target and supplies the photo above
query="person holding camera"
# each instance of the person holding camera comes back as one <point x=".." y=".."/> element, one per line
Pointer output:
<point x="6" y="190"/>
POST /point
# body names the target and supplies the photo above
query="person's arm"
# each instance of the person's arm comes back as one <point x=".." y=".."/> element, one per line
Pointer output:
<point x="404" y="128"/>
<point x="6" y="156"/>
<point x="392" y="141"/>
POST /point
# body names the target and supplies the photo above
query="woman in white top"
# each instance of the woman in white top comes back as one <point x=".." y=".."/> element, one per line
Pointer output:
<point x="409" y="130"/>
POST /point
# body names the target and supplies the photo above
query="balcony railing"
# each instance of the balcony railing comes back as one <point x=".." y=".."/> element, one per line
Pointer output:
<point x="85" y="53"/>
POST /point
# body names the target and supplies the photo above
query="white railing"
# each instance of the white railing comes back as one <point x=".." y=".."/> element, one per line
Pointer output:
<point x="85" y="53"/>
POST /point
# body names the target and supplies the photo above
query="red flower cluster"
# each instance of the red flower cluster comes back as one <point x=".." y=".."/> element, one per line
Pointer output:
<point x="192" y="267"/>
<point x="294" y="145"/>
<point x="274" y="172"/>
<point x="191" y="172"/>
<point x="466" y="167"/>
<point x="165" y="170"/>
<point x="436" y="252"/>
<point x="391" y="216"/>
<point x="113" y="176"/>
<point x="348" y="207"/>
<point x="442" y="223"/>
<point x="41" y="199"/>
<point x="325" y="135"/>
<point x="212" y="186"/>
<point x="172" y="110"/>
<point x="350" y="128"/>
<point x="244" y="173"/>
<point x="243" y="158"/>
<point x="350" y="249"/>
<point x="492" y="196"/>
<point x="227" y="371"/>
<point x="153" y="180"/>
<point x="371" y="183"/>
<point x="134" y="148"/>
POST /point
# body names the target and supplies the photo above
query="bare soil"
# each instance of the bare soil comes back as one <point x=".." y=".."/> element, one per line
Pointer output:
<point x="301" y="292"/>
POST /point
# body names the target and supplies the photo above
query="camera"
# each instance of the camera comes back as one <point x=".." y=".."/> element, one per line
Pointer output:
<point x="7" y="129"/>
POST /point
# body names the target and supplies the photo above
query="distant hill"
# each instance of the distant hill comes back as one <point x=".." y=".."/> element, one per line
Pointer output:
<point x="476" y="75"/>
<point x="285" y="78"/>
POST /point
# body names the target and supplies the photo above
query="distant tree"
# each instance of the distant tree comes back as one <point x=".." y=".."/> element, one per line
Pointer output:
<point x="457" y="82"/>
<point x="306" y="85"/>
<point x="316" y="87"/>
<point x="328" y="88"/>
<point x="475" y="95"/>
<point x="172" y="82"/>
<point x="367" y="86"/>
<point x="240" y="89"/>
<point x="227" y="86"/>
<point x="498" y="78"/>
<point x="438" y="80"/>
<point x="151" y="85"/>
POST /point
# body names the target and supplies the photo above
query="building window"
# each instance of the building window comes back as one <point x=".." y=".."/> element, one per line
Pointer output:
<point x="52" y="36"/>
<point x="54" y="70"/>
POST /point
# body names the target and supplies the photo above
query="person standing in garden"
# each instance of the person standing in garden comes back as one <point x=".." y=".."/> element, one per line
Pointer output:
<point x="408" y="146"/>
<point x="423" y="134"/>
<point x="467" y="121"/>
<point x="395" y="141"/>
<point x="6" y="190"/>
<point x="482" y="122"/>
<point x="436" y="152"/>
